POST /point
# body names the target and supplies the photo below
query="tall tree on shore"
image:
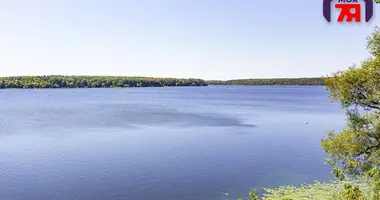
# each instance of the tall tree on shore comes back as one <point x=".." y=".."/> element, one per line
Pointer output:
<point x="356" y="149"/>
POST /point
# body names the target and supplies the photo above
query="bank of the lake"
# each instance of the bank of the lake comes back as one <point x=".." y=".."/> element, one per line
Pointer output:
<point x="271" y="81"/>
<point x="29" y="82"/>
<point x="57" y="81"/>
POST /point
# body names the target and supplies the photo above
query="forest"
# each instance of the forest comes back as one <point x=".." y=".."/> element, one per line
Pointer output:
<point x="29" y="82"/>
<point x="273" y="81"/>
<point x="57" y="81"/>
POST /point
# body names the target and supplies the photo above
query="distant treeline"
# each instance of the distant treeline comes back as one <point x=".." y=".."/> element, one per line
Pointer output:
<point x="124" y="81"/>
<point x="274" y="81"/>
<point x="93" y="82"/>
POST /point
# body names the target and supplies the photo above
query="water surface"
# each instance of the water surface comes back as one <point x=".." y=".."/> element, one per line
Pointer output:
<point x="188" y="143"/>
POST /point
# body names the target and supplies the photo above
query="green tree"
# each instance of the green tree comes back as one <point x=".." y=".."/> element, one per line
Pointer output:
<point x="355" y="151"/>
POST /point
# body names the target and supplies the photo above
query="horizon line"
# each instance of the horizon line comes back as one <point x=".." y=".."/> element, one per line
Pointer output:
<point x="231" y="79"/>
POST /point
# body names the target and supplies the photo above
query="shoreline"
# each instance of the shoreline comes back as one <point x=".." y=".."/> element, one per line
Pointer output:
<point x="58" y="81"/>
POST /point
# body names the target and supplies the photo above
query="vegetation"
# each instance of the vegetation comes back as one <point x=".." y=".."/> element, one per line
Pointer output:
<point x="333" y="190"/>
<point x="275" y="81"/>
<point x="354" y="152"/>
<point x="252" y="196"/>
<point x="122" y="81"/>
<point x="93" y="82"/>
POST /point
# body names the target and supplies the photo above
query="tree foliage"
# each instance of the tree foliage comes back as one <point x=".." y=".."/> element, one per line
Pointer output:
<point x="355" y="151"/>
<point x="252" y="196"/>
<point x="93" y="82"/>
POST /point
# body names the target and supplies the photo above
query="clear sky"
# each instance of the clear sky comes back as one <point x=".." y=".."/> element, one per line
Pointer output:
<point x="209" y="39"/>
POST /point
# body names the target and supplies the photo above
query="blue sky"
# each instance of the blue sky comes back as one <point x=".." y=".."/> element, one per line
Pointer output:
<point x="209" y="39"/>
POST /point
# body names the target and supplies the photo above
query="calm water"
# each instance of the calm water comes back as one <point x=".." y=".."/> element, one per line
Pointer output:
<point x="161" y="143"/>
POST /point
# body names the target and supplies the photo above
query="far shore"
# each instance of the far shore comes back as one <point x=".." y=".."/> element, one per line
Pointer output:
<point x="58" y="81"/>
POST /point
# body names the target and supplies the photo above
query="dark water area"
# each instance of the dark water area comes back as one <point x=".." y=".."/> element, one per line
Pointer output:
<point x="188" y="143"/>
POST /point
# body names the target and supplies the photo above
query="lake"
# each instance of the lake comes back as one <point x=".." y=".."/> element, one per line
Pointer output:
<point x="180" y="143"/>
